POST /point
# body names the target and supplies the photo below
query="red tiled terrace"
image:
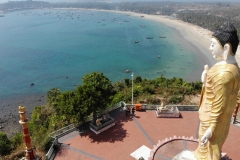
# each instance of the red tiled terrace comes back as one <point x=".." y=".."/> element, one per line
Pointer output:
<point x="118" y="142"/>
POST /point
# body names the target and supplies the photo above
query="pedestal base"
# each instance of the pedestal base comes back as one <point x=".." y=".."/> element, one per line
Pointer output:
<point x="168" y="112"/>
<point x="185" y="155"/>
<point x="177" y="148"/>
<point x="189" y="155"/>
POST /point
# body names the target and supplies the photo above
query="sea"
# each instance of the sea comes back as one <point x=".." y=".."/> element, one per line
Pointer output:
<point x="47" y="48"/>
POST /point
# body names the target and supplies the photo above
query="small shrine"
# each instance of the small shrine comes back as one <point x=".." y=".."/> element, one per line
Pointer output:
<point x="102" y="123"/>
<point x="165" y="111"/>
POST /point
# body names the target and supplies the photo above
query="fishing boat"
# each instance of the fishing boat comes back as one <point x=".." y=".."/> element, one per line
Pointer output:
<point x="149" y="37"/>
<point x="127" y="71"/>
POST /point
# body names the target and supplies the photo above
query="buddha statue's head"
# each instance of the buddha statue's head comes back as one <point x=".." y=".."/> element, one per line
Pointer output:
<point x="224" y="42"/>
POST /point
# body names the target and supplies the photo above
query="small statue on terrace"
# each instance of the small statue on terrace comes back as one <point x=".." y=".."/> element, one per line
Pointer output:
<point x="163" y="107"/>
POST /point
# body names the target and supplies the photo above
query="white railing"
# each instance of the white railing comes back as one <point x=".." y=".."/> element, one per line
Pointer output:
<point x="50" y="154"/>
<point x="154" y="107"/>
<point x="62" y="130"/>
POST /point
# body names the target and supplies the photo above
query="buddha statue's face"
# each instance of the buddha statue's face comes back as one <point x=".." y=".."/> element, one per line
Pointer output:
<point x="217" y="50"/>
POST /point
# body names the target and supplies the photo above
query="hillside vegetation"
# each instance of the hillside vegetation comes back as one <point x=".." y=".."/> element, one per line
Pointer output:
<point x="91" y="98"/>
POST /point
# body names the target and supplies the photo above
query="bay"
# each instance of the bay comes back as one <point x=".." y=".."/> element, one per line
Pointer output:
<point x="56" y="48"/>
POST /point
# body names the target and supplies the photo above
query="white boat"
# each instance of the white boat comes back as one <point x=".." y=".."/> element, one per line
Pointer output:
<point x="127" y="71"/>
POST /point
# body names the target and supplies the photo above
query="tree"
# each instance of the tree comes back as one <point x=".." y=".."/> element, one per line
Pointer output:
<point x="70" y="105"/>
<point x="5" y="144"/>
<point x="119" y="86"/>
<point x="96" y="93"/>
<point x="118" y="97"/>
<point x="127" y="82"/>
<point x="138" y="79"/>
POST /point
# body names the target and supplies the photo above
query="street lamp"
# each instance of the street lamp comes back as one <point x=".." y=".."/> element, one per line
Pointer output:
<point x="132" y="88"/>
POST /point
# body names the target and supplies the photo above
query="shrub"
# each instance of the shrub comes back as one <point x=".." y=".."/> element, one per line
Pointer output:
<point x="176" y="99"/>
<point x="5" y="144"/>
<point x="17" y="140"/>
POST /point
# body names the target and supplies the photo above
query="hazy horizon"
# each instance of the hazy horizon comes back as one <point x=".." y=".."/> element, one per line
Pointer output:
<point x="55" y="1"/>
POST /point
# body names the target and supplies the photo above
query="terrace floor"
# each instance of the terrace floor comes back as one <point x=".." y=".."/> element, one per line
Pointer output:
<point x="118" y="142"/>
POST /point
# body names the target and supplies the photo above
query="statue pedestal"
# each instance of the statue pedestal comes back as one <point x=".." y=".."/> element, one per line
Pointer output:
<point x="177" y="148"/>
<point x="185" y="155"/>
<point x="172" y="147"/>
<point x="189" y="155"/>
<point x="162" y="112"/>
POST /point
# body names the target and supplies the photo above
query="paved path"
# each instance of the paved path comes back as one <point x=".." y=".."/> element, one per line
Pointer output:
<point x="143" y="131"/>
<point x="118" y="142"/>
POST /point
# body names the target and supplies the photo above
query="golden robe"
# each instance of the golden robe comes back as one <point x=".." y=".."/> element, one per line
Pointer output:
<point x="218" y="100"/>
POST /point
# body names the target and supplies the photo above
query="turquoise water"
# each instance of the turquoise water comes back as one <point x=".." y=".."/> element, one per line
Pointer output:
<point x="56" y="48"/>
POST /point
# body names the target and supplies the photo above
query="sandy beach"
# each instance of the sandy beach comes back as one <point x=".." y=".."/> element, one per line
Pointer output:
<point x="197" y="36"/>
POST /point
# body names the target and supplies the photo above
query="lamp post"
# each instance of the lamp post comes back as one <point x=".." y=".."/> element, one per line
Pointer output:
<point x="132" y="88"/>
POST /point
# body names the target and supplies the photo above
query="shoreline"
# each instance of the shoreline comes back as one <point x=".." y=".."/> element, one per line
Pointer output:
<point x="9" y="116"/>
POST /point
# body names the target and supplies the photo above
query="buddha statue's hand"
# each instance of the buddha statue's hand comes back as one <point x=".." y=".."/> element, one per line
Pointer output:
<point x="204" y="74"/>
<point x="206" y="136"/>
